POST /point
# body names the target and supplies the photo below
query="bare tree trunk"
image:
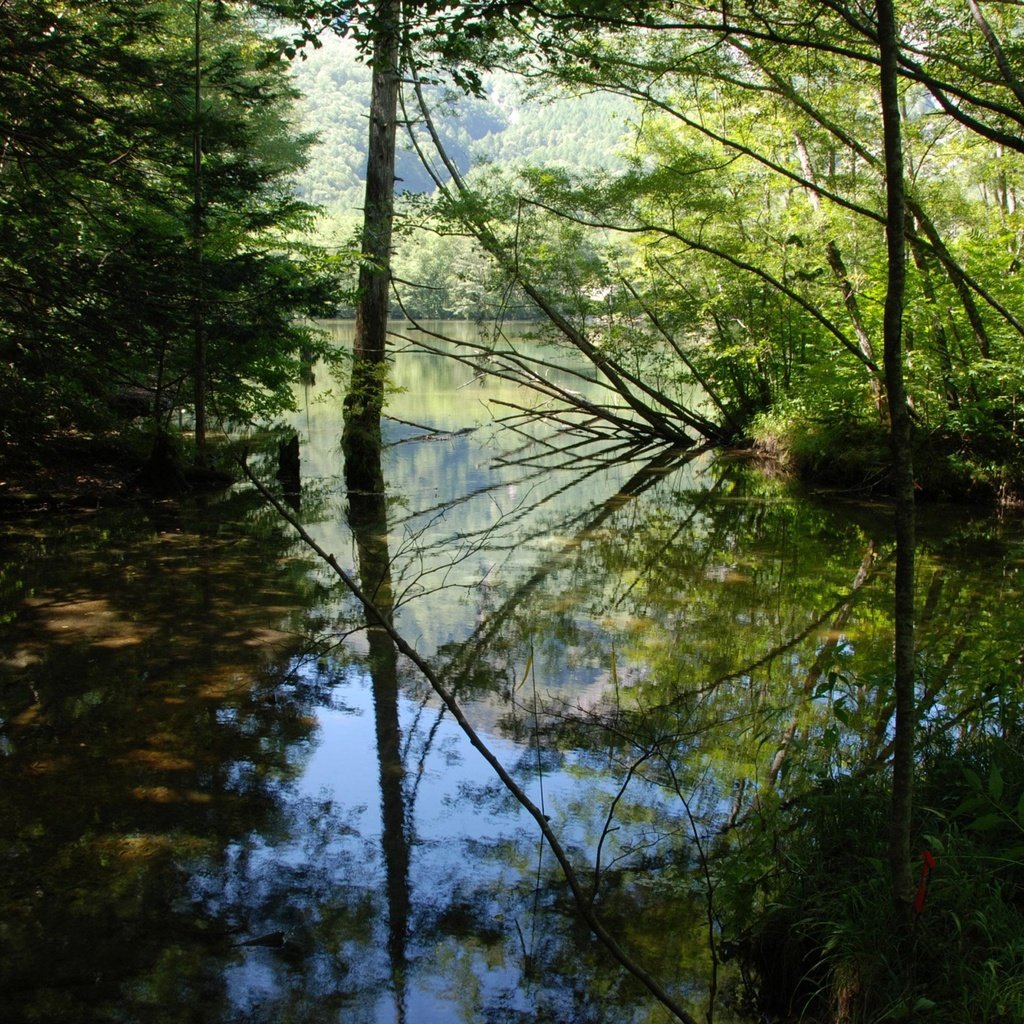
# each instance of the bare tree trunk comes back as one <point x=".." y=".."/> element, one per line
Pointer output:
<point x="198" y="231"/>
<point x="902" y="467"/>
<point x="365" y="398"/>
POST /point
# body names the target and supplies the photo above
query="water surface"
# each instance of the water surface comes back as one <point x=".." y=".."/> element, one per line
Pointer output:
<point x="224" y="799"/>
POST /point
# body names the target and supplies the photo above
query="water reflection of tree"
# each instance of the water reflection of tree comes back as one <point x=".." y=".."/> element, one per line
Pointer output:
<point x="369" y="522"/>
<point x="376" y="557"/>
<point x="563" y="993"/>
<point x="741" y="635"/>
<point x="150" y="720"/>
<point x="716" y="621"/>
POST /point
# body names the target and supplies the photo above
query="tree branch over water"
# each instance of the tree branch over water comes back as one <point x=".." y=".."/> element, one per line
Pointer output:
<point x="447" y="697"/>
<point x="657" y="410"/>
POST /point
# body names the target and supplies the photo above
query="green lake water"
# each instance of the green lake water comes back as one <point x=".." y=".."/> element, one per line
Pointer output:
<point x="222" y="799"/>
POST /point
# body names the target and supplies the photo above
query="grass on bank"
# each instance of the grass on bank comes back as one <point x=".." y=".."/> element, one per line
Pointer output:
<point x="821" y="935"/>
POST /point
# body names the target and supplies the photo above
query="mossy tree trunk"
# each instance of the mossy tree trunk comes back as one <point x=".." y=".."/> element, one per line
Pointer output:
<point x="365" y="399"/>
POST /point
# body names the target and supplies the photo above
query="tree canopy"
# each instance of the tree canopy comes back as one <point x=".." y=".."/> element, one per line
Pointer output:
<point x="741" y="250"/>
<point x="113" y="230"/>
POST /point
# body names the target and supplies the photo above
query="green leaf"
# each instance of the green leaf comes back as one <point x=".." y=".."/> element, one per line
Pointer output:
<point x="969" y="806"/>
<point x="987" y="822"/>
<point x="995" y="784"/>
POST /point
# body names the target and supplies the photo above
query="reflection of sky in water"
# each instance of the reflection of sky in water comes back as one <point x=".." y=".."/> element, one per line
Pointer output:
<point x="462" y="528"/>
<point x="470" y="845"/>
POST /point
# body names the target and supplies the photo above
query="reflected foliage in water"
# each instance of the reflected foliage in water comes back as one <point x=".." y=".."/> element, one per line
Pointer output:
<point x="225" y="799"/>
<point x="149" y="718"/>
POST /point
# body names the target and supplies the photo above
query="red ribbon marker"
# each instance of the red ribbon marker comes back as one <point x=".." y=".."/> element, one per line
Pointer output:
<point x="928" y="863"/>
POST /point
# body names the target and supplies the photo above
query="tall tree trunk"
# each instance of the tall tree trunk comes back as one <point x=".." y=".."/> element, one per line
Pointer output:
<point x="365" y="399"/>
<point x="198" y="232"/>
<point x="902" y="467"/>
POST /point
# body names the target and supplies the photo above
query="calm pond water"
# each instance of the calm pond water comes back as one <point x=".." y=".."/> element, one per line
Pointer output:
<point x="223" y="799"/>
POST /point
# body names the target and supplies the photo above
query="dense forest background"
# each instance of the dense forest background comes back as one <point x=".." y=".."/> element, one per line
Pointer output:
<point x="509" y="125"/>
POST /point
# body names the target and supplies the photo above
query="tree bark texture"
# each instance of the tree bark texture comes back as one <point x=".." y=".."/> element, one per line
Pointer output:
<point x="365" y="399"/>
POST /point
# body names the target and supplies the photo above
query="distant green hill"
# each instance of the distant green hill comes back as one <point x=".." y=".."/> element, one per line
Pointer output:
<point x="504" y="128"/>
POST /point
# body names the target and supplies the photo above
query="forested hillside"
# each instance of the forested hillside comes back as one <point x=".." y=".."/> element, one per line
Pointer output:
<point x="506" y="126"/>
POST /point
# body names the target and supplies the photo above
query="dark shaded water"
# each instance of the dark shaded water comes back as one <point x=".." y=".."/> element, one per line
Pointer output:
<point x="223" y="799"/>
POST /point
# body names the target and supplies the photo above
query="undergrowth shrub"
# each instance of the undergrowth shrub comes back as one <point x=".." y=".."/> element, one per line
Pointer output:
<point x="821" y="937"/>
